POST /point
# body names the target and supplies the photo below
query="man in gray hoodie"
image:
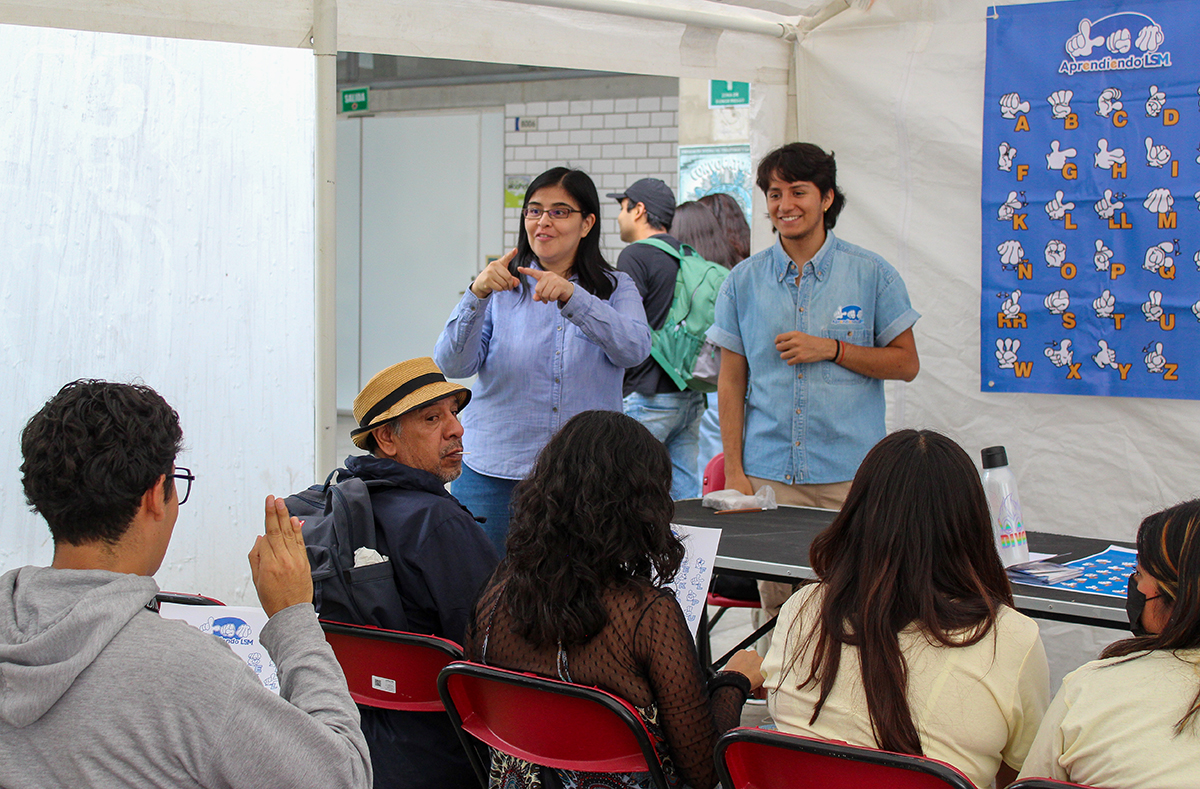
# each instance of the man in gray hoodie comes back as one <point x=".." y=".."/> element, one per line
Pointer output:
<point x="96" y="689"/>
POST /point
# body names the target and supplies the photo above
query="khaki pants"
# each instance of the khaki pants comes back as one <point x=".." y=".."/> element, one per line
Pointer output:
<point x="831" y="496"/>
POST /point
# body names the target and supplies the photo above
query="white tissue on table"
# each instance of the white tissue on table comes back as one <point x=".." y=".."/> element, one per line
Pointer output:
<point x="366" y="556"/>
<point x="730" y="499"/>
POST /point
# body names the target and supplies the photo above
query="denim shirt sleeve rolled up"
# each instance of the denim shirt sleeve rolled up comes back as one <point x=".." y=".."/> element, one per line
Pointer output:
<point x="538" y="365"/>
<point x="810" y="423"/>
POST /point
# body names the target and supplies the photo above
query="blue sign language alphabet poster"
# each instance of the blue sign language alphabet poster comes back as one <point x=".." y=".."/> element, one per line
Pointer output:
<point x="1091" y="199"/>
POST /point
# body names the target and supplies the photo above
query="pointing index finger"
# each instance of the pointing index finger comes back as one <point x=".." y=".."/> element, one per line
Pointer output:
<point x="532" y="272"/>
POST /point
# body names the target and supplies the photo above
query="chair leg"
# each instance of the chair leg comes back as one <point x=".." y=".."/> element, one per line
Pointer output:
<point x="703" y="640"/>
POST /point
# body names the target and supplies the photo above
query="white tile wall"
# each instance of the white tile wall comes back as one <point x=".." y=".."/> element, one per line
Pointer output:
<point x="616" y="141"/>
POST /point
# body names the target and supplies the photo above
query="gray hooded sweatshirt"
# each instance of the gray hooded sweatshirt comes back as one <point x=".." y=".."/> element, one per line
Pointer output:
<point x="98" y="691"/>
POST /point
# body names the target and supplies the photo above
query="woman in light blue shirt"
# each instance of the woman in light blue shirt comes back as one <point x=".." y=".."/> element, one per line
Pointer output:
<point x="549" y="329"/>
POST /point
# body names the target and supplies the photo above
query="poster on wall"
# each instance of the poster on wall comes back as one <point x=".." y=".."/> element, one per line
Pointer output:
<point x="1091" y="191"/>
<point x="711" y="169"/>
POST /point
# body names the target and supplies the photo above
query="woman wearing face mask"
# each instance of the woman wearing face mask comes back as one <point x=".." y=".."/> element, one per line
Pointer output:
<point x="1130" y="719"/>
<point x="549" y="329"/>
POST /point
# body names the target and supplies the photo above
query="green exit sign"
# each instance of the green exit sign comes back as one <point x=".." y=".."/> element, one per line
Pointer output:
<point x="728" y="94"/>
<point x="355" y="99"/>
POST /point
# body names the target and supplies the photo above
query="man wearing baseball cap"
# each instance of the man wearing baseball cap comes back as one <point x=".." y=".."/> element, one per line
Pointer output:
<point x="651" y="397"/>
<point x="407" y="419"/>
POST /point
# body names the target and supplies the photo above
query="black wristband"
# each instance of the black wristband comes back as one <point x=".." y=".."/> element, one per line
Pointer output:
<point x="730" y="678"/>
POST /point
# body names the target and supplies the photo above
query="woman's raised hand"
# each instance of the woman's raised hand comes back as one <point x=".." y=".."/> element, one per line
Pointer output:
<point x="495" y="277"/>
<point x="550" y="286"/>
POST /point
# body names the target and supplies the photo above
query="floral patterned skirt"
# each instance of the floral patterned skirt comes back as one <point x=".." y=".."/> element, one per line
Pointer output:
<point x="509" y="772"/>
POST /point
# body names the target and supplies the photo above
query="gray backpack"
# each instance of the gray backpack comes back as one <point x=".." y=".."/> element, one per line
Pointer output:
<point x="338" y="519"/>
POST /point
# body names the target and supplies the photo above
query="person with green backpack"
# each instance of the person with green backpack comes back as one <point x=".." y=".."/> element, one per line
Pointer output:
<point x="679" y="289"/>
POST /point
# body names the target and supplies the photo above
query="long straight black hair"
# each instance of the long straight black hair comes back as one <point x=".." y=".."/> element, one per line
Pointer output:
<point x="1168" y="544"/>
<point x="593" y="271"/>
<point x="733" y="223"/>
<point x="912" y="545"/>
<point x="696" y="225"/>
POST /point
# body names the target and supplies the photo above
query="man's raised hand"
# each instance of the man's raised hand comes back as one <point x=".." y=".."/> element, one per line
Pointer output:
<point x="278" y="561"/>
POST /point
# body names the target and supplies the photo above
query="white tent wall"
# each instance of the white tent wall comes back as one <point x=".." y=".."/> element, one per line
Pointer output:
<point x="898" y="94"/>
<point x="159" y="216"/>
<point x="156" y="213"/>
<point x="279" y="23"/>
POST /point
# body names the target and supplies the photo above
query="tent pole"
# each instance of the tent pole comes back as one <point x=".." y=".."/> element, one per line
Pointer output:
<point x="324" y="42"/>
<point x="783" y="28"/>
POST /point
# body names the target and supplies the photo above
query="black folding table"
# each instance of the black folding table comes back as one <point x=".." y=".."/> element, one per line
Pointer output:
<point x="773" y="545"/>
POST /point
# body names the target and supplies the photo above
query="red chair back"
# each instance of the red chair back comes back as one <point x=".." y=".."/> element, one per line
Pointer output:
<point x="758" y="759"/>
<point x="390" y="670"/>
<point x="714" y="475"/>
<point x="547" y="722"/>
<point x="186" y="598"/>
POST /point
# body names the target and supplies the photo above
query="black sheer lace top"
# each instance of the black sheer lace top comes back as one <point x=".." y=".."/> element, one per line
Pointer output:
<point x="645" y="655"/>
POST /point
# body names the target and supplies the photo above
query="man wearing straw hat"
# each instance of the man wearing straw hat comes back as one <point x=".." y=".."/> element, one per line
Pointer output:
<point x="407" y="419"/>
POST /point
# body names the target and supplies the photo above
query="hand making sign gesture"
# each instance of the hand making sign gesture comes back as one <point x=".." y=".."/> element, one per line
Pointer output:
<point x="550" y="286"/>
<point x="497" y="276"/>
<point x="278" y="561"/>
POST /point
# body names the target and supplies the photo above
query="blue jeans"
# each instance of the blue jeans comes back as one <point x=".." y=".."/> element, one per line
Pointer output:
<point x="674" y="419"/>
<point x="710" y="434"/>
<point x="487" y="497"/>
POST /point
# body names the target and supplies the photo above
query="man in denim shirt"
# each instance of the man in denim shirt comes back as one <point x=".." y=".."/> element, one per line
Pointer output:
<point x="809" y="330"/>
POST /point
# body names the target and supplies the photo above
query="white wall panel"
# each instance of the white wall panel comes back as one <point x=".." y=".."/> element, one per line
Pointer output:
<point x="422" y="185"/>
<point x="156" y="223"/>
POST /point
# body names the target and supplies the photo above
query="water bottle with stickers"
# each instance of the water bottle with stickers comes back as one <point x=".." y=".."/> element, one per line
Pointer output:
<point x="1001" y="488"/>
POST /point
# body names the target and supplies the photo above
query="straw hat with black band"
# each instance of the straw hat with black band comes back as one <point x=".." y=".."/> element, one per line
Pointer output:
<point x="399" y="389"/>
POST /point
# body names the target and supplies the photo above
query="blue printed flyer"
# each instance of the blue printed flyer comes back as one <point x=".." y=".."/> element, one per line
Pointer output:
<point x="1105" y="573"/>
<point x="1091" y="199"/>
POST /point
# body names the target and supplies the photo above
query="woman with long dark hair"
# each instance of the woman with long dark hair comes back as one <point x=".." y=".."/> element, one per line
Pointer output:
<point x="909" y="642"/>
<point x="580" y="597"/>
<point x="1132" y="718"/>
<point x="696" y="224"/>
<point x="732" y="220"/>
<point x="549" y="329"/>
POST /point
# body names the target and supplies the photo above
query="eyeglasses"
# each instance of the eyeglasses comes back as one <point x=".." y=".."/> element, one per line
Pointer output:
<point x="558" y="212"/>
<point x="186" y="475"/>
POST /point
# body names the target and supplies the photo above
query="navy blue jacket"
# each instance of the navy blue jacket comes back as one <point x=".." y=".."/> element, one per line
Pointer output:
<point x="441" y="558"/>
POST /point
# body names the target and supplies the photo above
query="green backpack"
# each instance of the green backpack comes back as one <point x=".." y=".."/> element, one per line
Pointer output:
<point x="679" y="345"/>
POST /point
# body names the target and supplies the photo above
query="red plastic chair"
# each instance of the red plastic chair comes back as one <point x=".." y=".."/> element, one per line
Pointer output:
<point x="547" y="722"/>
<point x="714" y="479"/>
<point x="714" y="475"/>
<point x="1046" y="783"/>
<point x="390" y="670"/>
<point x="759" y="759"/>
<point x="186" y="598"/>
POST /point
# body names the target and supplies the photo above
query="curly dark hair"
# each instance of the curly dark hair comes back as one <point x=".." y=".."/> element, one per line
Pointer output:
<point x="803" y="161"/>
<point x="594" y="513"/>
<point x="91" y="453"/>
